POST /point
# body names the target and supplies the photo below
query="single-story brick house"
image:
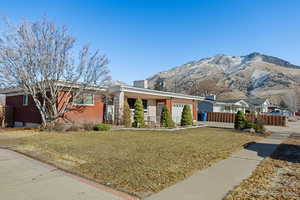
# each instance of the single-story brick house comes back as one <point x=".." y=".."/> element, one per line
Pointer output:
<point x="93" y="108"/>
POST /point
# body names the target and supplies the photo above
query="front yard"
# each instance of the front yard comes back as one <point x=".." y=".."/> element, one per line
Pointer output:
<point x="138" y="162"/>
<point x="277" y="177"/>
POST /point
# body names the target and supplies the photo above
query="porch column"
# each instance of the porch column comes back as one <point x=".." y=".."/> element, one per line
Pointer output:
<point x="118" y="107"/>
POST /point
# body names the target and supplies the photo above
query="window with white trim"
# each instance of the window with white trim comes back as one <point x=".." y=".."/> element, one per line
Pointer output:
<point x="84" y="99"/>
<point x="25" y="100"/>
<point x="131" y="102"/>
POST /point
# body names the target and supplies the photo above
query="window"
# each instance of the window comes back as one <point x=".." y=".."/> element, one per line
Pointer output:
<point x="25" y="100"/>
<point x="84" y="99"/>
<point x="131" y="103"/>
<point x="227" y="108"/>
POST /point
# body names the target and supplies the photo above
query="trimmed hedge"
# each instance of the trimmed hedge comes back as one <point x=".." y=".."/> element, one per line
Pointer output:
<point x="186" y="116"/>
<point x="138" y="114"/>
<point x="101" y="127"/>
<point x="166" y="120"/>
<point x="240" y="121"/>
<point x="127" y="115"/>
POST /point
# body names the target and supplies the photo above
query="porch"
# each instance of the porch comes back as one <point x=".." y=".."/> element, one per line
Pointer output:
<point x="153" y="105"/>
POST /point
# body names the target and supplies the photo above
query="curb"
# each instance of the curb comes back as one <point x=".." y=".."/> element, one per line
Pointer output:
<point x="97" y="184"/>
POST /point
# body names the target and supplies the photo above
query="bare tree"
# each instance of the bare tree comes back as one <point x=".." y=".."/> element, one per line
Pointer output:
<point x="37" y="57"/>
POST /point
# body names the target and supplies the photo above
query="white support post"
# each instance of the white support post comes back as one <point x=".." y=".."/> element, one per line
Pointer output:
<point x="119" y="105"/>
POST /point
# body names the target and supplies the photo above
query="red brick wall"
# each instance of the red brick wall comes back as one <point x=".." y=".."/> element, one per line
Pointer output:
<point x="30" y="113"/>
<point x="22" y="113"/>
<point x="82" y="114"/>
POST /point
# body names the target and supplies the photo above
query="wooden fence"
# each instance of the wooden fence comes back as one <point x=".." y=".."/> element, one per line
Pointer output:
<point x="274" y="120"/>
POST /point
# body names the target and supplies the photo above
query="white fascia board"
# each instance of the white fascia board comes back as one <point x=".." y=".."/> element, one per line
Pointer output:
<point x="18" y="91"/>
<point x="242" y="102"/>
<point x="157" y="93"/>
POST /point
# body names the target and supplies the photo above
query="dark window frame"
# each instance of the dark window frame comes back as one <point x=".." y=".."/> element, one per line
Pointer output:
<point x="131" y="102"/>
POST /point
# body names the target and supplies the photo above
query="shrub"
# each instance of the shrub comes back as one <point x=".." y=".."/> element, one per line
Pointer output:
<point x="127" y="115"/>
<point x="138" y="114"/>
<point x="88" y="126"/>
<point x="56" y="126"/>
<point x="259" y="126"/>
<point x="165" y="119"/>
<point x="248" y="124"/>
<point x="186" y="116"/>
<point x="74" y="127"/>
<point x="240" y="121"/>
<point x="101" y="127"/>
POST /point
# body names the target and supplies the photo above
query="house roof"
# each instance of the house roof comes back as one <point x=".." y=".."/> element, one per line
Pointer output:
<point x="231" y="100"/>
<point x="131" y="89"/>
<point x="15" y="90"/>
<point x="250" y="101"/>
<point x="228" y="102"/>
<point x="256" y="101"/>
<point x="111" y="89"/>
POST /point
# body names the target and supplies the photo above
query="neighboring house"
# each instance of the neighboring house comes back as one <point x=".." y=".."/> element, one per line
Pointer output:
<point x="91" y="106"/>
<point x="229" y="106"/>
<point x="258" y="105"/>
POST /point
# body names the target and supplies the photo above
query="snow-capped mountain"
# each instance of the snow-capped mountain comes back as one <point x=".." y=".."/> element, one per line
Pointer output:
<point x="251" y="75"/>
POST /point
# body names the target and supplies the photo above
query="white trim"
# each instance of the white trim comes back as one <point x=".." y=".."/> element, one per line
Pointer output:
<point x="26" y="99"/>
<point x="13" y="91"/>
<point x="137" y="90"/>
<point x="14" y="94"/>
<point x="75" y="104"/>
<point x="228" y="104"/>
<point x="118" y="88"/>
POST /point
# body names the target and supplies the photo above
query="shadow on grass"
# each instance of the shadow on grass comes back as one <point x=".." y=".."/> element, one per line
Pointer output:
<point x="285" y="151"/>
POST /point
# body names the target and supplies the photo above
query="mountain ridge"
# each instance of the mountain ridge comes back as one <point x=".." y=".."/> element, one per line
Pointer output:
<point x="254" y="74"/>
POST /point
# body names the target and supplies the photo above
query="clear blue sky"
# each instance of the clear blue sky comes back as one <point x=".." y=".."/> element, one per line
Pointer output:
<point x="142" y="37"/>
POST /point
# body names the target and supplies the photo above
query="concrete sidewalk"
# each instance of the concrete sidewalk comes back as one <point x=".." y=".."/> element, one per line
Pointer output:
<point x="23" y="178"/>
<point x="215" y="182"/>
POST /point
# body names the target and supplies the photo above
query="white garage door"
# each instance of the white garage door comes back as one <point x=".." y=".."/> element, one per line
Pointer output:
<point x="177" y="109"/>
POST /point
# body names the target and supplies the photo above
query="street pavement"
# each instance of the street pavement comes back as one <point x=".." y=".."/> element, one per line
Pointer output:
<point x="22" y="178"/>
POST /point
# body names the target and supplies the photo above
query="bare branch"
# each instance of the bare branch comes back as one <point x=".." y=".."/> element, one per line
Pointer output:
<point x="38" y="56"/>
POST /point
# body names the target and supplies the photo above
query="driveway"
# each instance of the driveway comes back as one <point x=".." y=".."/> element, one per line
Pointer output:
<point x="23" y="178"/>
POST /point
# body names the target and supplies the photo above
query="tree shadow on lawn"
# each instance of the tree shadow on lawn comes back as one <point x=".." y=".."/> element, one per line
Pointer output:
<point x="284" y="151"/>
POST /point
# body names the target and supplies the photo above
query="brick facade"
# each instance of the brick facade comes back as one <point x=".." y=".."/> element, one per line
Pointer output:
<point x="78" y="114"/>
<point x="95" y="112"/>
<point x="85" y="113"/>
<point x="23" y="113"/>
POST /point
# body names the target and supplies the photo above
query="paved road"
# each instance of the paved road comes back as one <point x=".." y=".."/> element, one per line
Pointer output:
<point x="22" y="178"/>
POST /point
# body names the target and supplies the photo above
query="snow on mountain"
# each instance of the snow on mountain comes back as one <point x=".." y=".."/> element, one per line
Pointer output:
<point x="250" y="74"/>
<point x="259" y="77"/>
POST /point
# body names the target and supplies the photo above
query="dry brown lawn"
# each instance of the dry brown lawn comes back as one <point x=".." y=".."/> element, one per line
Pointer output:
<point x="277" y="177"/>
<point x="138" y="162"/>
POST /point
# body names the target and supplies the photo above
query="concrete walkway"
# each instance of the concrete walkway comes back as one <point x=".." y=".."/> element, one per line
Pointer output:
<point x="215" y="182"/>
<point x="22" y="178"/>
